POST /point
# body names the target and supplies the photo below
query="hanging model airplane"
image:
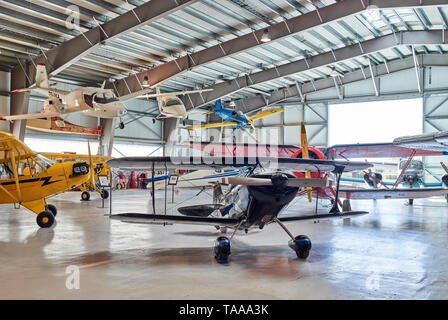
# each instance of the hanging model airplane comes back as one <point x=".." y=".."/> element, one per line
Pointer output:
<point x="252" y="202"/>
<point x="27" y="178"/>
<point x="91" y="101"/>
<point x="170" y="106"/>
<point x="233" y="118"/>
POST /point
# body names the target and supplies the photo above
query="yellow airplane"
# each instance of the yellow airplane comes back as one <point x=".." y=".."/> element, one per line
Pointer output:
<point x="99" y="168"/>
<point x="27" y="178"/>
<point x="235" y="118"/>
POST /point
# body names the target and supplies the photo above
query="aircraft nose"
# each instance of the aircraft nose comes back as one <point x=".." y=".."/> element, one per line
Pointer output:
<point x="80" y="168"/>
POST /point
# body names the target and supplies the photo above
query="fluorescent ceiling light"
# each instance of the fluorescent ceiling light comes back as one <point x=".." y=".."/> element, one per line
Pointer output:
<point x="265" y="37"/>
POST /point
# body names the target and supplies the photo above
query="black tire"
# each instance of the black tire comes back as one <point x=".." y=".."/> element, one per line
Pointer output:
<point x="105" y="194"/>
<point x="222" y="250"/>
<point x="119" y="186"/>
<point x="153" y="120"/>
<point x="303" y="254"/>
<point x="121" y="125"/>
<point x="301" y="245"/>
<point x="85" y="196"/>
<point x="45" y="219"/>
<point x="52" y="209"/>
<point x="411" y="202"/>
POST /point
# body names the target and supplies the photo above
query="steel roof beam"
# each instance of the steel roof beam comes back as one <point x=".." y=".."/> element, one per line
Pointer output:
<point x="370" y="46"/>
<point x="257" y="102"/>
<point x="65" y="54"/>
<point x="277" y="31"/>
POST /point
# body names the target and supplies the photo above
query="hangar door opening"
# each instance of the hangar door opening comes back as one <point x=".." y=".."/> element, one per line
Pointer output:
<point x="378" y="121"/>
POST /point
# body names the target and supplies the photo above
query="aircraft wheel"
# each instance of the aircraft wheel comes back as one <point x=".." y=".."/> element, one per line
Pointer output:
<point x="411" y="202"/>
<point x="153" y="120"/>
<point x="222" y="249"/>
<point x="119" y="186"/>
<point x="52" y="209"/>
<point x="301" y="245"/>
<point x="85" y="196"/>
<point x="346" y="205"/>
<point x="121" y="125"/>
<point x="105" y="194"/>
<point x="45" y="219"/>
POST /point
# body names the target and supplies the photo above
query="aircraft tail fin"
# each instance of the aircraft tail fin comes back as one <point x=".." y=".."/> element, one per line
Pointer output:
<point x="41" y="85"/>
<point x="218" y="105"/>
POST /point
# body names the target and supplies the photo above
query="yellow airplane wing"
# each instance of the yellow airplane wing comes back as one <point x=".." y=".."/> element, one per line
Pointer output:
<point x="8" y="141"/>
<point x="266" y="113"/>
<point x="212" y="125"/>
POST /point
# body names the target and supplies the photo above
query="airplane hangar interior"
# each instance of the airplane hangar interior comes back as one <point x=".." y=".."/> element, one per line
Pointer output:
<point x="223" y="149"/>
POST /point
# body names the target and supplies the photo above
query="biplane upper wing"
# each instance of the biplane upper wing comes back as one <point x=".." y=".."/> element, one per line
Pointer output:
<point x="10" y="142"/>
<point x="32" y="116"/>
<point x="376" y="150"/>
<point x="292" y="164"/>
<point x="436" y="142"/>
<point x="212" y="125"/>
<point x="266" y="113"/>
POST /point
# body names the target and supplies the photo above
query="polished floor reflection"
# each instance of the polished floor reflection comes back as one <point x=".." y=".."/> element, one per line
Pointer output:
<point x="395" y="252"/>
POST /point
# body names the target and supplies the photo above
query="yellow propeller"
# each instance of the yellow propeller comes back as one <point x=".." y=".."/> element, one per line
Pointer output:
<point x="305" y="155"/>
<point x="92" y="178"/>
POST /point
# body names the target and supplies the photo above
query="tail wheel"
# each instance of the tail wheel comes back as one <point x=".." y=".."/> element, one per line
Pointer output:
<point x="411" y="202"/>
<point x="85" y="196"/>
<point x="121" y="126"/>
<point x="45" y="219"/>
<point x="105" y="194"/>
<point x="119" y="186"/>
<point x="52" y="209"/>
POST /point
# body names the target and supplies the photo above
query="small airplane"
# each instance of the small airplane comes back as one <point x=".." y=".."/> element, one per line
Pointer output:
<point x="27" y="178"/>
<point x="91" y="101"/>
<point x="250" y="202"/>
<point x="233" y="118"/>
<point x="170" y="106"/>
<point x="100" y="168"/>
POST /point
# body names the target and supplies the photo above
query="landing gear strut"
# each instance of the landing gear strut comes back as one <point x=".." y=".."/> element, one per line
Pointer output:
<point x="222" y="245"/>
<point x="300" y="244"/>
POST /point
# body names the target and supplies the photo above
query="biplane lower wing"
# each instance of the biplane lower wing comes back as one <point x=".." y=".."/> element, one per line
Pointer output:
<point x="177" y="219"/>
<point x="212" y="125"/>
<point x="266" y="113"/>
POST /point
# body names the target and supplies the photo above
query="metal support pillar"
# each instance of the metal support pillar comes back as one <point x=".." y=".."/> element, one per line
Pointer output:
<point x="19" y="102"/>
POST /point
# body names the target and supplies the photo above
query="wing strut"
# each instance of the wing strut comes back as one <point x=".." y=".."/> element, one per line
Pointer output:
<point x="403" y="171"/>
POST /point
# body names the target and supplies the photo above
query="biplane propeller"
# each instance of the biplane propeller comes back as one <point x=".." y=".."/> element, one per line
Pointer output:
<point x="28" y="179"/>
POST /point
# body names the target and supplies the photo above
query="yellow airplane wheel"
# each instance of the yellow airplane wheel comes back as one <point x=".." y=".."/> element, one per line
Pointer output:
<point x="52" y="209"/>
<point x="45" y="219"/>
<point x="85" y="196"/>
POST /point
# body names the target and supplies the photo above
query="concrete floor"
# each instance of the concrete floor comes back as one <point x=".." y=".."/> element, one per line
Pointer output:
<point x="396" y="252"/>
